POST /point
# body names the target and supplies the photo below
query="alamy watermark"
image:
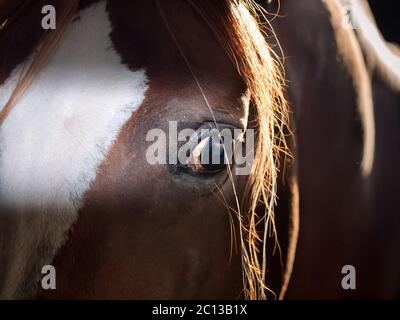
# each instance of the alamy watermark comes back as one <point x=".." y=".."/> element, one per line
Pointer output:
<point x="349" y="280"/>
<point x="50" y="16"/>
<point x="49" y="277"/>
<point x="349" y="21"/>
<point x="202" y="147"/>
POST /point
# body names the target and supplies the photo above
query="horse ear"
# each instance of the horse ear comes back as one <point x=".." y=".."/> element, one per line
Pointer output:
<point x="281" y="259"/>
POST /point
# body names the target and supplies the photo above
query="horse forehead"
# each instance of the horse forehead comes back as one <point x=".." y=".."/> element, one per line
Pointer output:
<point x="63" y="126"/>
<point x="57" y="135"/>
<point x="168" y="36"/>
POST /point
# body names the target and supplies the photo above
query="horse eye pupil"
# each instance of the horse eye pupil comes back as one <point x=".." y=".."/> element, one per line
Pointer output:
<point x="214" y="159"/>
<point x="209" y="153"/>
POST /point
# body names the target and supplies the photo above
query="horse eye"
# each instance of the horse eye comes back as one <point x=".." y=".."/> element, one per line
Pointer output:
<point x="208" y="156"/>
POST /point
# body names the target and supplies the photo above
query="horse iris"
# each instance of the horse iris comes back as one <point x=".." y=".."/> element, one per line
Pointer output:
<point x="209" y="155"/>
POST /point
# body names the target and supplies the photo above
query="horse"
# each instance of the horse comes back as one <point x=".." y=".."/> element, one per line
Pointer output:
<point x="343" y="90"/>
<point x="77" y="192"/>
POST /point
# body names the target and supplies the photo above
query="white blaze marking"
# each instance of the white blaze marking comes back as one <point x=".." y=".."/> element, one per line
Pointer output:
<point x="53" y="141"/>
<point x="56" y="136"/>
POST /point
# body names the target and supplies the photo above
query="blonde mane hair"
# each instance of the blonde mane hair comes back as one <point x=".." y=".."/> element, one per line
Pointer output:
<point x="237" y="25"/>
<point x="261" y="69"/>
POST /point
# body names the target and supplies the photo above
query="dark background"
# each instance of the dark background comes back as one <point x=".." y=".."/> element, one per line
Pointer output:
<point x="387" y="15"/>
